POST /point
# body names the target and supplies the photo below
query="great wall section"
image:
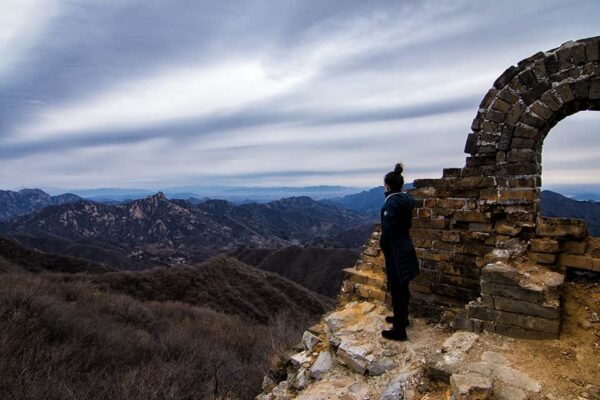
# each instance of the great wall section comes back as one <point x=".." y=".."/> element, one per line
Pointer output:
<point x="492" y="267"/>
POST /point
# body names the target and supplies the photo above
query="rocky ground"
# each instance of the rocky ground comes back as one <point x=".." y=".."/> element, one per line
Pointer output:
<point x="344" y="357"/>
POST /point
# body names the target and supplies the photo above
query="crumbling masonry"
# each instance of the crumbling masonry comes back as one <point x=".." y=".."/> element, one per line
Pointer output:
<point x="478" y="230"/>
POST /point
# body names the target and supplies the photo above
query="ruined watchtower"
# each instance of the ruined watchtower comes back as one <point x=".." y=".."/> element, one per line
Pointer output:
<point x="478" y="230"/>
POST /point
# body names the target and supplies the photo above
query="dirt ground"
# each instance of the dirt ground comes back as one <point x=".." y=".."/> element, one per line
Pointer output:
<point x="568" y="368"/>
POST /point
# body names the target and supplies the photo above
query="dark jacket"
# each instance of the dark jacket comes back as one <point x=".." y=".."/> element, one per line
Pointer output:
<point x="396" y="244"/>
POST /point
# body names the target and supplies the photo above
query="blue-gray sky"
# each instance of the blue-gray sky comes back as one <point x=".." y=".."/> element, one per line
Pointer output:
<point x="149" y="93"/>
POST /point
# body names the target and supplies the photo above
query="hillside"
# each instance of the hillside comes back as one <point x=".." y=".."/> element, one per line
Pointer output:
<point x="557" y="205"/>
<point x="249" y="255"/>
<point x="16" y="258"/>
<point x="156" y="230"/>
<point x="221" y="283"/>
<point x="26" y="201"/>
<point x="352" y="238"/>
<point x="319" y="270"/>
<point x="196" y="332"/>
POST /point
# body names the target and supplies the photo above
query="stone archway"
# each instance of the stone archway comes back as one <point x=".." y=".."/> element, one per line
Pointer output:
<point x="477" y="229"/>
<point x="517" y="113"/>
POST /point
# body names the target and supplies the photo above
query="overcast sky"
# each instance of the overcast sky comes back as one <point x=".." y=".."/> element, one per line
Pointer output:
<point x="124" y="93"/>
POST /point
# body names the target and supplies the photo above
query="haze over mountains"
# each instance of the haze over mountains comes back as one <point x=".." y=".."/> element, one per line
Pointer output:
<point x="157" y="230"/>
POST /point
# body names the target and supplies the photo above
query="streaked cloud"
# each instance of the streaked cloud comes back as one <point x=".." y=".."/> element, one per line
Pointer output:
<point x="153" y="94"/>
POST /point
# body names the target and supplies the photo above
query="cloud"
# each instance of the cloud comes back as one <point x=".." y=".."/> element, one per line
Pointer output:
<point x="176" y="94"/>
<point x="134" y="93"/>
<point x="21" y="24"/>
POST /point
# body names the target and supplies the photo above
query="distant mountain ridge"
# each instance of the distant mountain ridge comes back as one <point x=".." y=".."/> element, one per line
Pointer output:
<point x="26" y="201"/>
<point x="236" y="194"/>
<point x="175" y="231"/>
<point x="557" y="205"/>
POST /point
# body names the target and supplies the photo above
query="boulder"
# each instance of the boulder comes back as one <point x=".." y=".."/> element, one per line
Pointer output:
<point x="356" y="357"/>
<point x="322" y="365"/>
<point x="309" y="340"/>
<point x="471" y="387"/>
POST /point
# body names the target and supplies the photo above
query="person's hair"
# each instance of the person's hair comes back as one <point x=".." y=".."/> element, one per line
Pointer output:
<point x="394" y="179"/>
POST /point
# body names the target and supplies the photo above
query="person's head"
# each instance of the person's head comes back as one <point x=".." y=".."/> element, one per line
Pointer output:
<point x="394" y="180"/>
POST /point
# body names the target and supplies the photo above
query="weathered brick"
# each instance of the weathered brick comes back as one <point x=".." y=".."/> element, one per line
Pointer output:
<point x="445" y="212"/>
<point x="471" y="216"/>
<point x="471" y="144"/>
<point x="525" y="131"/>
<point x="551" y="100"/>
<point x="495" y="116"/>
<point x="430" y="223"/>
<point x="578" y="54"/>
<point x="506" y="77"/>
<point x="420" y="287"/>
<point x="535" y="92"/>
<point x="420" y="183"/>
<point x="542" y="325"/>
<point x="451" y="172"/>
<point x="533" y="121"/>
<point x="473" y="182"/>
<point x="551" y="64"/>
<point x="424" y="213"/>
<point x="480" y="227"/>
<point x="564" y="58"/>
<point x="423" y="192"/>
<point x="561" y="227"/>
<point x="580" y="89"/>
<point x="487" y="99"/>
<point x="450" y="237"/>
<point x="595" y="89"/>
<point x="508" y="98"/>
<point x="510" y="195"/>
<point x="435" y="255"/>
<point x="479" y="311"/>
<point x="521" y="155"/>
<point x="592" y="52"/>
<point x="454" y="292"/>
<point x="518" y="169"/>
<point x="501" y="273"/>
<point x="520" y="143"/>
<point x="504" y="228"/>
<point x="541" y="258"/>
<point x="540" y="109"/>
<point x="476" y="249"/>
<point x="455" y="204"/>
<point x="576" y="261"/>
<point x="515" y="113"/>
<point x="533" y="294"/>
<point x="574" y="247"/>
<point x="564" y="92"/>
<point x="524" y="307"/>
<point x="545" y="245"/>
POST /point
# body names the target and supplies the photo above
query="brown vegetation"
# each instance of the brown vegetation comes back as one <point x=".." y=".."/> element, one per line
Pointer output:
<point x="319" y="270"/>
<point x="203" y="332"/>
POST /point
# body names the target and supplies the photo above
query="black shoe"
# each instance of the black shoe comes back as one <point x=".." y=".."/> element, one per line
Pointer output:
<point x="390" y="320"/>
<point x="395" y="334"/>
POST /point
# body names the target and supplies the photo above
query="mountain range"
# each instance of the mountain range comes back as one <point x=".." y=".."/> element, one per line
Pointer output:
<point x="557" y="205"/>
<point x="157" y="230"/>
<point x="26" y="201"/>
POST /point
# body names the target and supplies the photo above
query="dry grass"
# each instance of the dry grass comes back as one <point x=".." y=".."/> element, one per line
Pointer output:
<point x="71" y="339"/>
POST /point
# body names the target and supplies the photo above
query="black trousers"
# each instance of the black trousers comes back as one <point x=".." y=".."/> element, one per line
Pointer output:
<point x="400" y="301"/>
<point x="398" y="289"/>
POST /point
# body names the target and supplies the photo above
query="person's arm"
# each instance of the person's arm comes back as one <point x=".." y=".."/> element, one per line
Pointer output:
<point x="389" y="219"/>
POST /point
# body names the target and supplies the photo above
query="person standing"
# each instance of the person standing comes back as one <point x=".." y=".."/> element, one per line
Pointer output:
<point x="401" y="263"/>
